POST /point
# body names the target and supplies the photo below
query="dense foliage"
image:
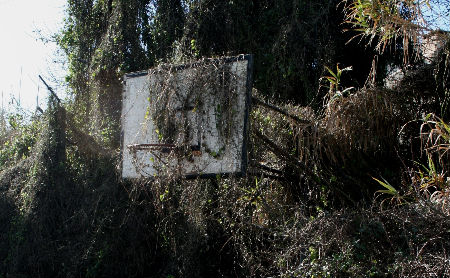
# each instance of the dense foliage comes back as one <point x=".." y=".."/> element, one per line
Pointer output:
<point x="346" y="177"/>
<point x="292" y="40"/>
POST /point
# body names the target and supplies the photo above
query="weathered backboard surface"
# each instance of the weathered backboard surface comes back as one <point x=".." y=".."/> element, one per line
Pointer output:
<point x="188" y="120"/>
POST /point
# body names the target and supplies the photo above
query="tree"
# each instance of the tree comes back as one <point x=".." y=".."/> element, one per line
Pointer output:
<point x="102" y="40"/>
<point x="386" y="21"/>
<point x="414" y="22"/>
<point x="167" y="27"/>
<point x="292" y="42"/>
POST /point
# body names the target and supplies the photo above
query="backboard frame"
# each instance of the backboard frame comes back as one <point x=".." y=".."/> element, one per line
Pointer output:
<point x="247" y="106"/>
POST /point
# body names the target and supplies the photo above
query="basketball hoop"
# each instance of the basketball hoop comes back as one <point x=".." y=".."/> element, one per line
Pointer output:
<point x="163" y="148"/>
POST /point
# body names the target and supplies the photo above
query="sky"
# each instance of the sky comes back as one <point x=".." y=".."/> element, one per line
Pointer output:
<point x="23" y="56"/>
<point x="438" y="17"/>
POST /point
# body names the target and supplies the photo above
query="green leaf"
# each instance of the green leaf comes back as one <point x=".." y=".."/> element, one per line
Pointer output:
<point x="331" y="72"/>
<point x="390" y="189"/>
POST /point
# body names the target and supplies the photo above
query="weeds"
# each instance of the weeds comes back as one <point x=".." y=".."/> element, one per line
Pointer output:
<point x="288" y="217"/>
<point x="335" y="83"/>
<point x="394" y="196"/>
<point x="432" y="180"/>
<point x="18" y="139"/>
<point x="435" y="134"/>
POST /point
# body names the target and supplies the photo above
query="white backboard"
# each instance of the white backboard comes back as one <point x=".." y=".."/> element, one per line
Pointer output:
<point x="190" y="120"/>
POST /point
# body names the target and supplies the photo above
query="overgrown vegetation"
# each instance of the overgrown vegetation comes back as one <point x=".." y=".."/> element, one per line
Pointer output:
<point x="346" y="178"/>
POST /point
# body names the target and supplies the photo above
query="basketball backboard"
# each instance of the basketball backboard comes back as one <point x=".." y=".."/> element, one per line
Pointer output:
<point x="190" y="120"/>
